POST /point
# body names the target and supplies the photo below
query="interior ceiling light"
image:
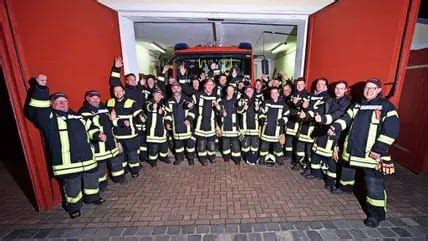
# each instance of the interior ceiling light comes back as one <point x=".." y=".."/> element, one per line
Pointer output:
<point x="157" y="47"/>
<point x="280" y="47"/>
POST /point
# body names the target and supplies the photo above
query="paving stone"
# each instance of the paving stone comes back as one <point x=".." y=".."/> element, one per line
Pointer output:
<point x="343" y="234"/>
<point x="58" y="232"/>
<point x="144" y="231"/>
<point x="146" y="238"/>
<point x="401" y="232"/>
<point x="130" y="231"/>
<point x="194" y="238"/>
<point x="357" y="233"/>
<point x="13" y="235"/>
<point x="314" y="235"/>
<point x="409" y="222"/>
<point x="259" y="227"/>
<point x="415" y="232"/>
<point x="341" y="224"/>
<point x="173" y="230"/>
<point x="188" y="229"/>
<point x="224" y="237"/>
<point x="254" y="237"/>
<point x="41" y="234"/>
<point x="27" y="233"/>
<point x="162" y="238"/>
<point x="396" y="221"/>
<point x="302" y="226"/>
<point x="245" y="228"/>
<point x="357" y="224"/>
<point x="386" y="232"/>
<point x="328" y="224"/>
<point x="315" y="225"/>
<point x="284" y="235"/>
<point x="232" y="228"/>
<point x="385" y="224"/>
<point x="115" y="239"/>
<point x="132" y="238"/>
<point x="217" y="229"/>
<point x="240" y="237"/>
<point x="423" y="221"/>
<point x="269" y="237"/>
<point x="210" y="237"/>
<point x="159" y="230"/>
<point x="372" y="233"/>
<point x="286" y="226"/>
<point x="273" y="227"/>
<point x="299" y="235"/>
<point x="203" y="229"/>
<point x="328" y="234"/>
<point x="178" y="238"/>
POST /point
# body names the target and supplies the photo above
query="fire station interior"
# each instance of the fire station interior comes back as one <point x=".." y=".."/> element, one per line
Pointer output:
<point x="274" y="43"/>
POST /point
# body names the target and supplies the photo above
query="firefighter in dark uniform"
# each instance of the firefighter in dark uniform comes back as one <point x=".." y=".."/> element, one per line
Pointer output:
<point x="324" y="150"/>
<point x="234" y="76"/>
<point x="297" y="98"/>
<point x="320" y="102"/>
<point x="206" y="105"/>
<point x="221" y="85"/>
<point x="71" y="156"/>
<point x="179" y="119"/>
<point x="134" y="91"/>
<point x="248" y="110"/>
<point x="273" y="118"/>
<point x="183" y="77"/>
<point x="107" y="151"/>
<point x="125" y="115"/>
<point x="373" y="127"/>
<point x="229" y="128"/>
<point x="156" y="138"/>
<point x="258" y="91"/>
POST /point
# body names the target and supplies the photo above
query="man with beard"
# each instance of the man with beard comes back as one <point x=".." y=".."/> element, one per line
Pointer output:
<point x="179" y="120"/>
<point x="106" y="148"/>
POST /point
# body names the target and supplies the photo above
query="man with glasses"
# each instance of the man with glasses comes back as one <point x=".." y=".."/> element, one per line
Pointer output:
<point x="373" y="127"/>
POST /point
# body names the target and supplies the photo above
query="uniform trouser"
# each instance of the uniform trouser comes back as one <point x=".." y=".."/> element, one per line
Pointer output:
<point x="265" y="148"/>
<point x="114" y="165"/>
<point x="331" y="175"/>
<point x="206" y="148"/>
<point x="231" y="149"/>
<point x="186" y="146"/>
<point x="80" y="186"/>
<point x="289" y="146"/>
<point x="304" y="151"/>
<point x="143" y="147"/>
<point x="102" y="174"/>
<point x="158" y="151"/>
<point x="319" y="165"/>
<point x="250" y="146"/>
<point x="376" y="194"/>
<point x="347" y="177"/>
<point x="130" y="154"/>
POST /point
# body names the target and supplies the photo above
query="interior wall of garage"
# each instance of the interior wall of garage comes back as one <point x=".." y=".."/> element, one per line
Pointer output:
<point x="73" y="43"/>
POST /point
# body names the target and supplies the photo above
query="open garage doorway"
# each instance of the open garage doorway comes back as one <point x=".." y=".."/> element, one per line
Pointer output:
<point x="274" y="44"/>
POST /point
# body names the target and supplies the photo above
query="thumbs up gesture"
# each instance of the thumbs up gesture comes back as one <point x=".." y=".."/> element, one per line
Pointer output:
<point x="317" y="117"/>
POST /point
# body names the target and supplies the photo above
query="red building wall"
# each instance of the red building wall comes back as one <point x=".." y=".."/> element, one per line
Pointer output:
<point x="74" y="43"/>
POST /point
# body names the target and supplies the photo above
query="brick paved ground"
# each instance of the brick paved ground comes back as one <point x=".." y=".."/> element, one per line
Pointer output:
<point x="222" y="198"/>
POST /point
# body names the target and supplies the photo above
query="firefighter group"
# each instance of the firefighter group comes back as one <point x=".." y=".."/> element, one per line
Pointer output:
<point x="269" y="122"/>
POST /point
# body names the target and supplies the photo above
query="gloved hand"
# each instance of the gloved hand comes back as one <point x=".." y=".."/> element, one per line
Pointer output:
<point x="386" y="167"/>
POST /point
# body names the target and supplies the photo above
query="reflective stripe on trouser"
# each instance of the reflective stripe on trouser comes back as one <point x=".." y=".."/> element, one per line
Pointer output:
<point x="143" y="148"/>
<point x="303" y="151"/>
<point x="347" y="177"/>
<point x="317" y="165"/>
<point x="331" y="175"/>
<point x="289" y="146"/>
<point x="130" y="152"/>
<point x="102" y="174"/>
<point x="115" y="167"/>
<point x="206" y="148"/>
<point x="186" y="146"/>
<point x="266" y="147"/>
<point x="230" y="148"/>
<point x="73" y="192"/>
<point x="376" y="195"/>
<point x="158" y="151"/>
<point x="249" y="148"/>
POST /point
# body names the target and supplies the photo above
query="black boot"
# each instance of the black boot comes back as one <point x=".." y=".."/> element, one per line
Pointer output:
<point x="74" y="214"/>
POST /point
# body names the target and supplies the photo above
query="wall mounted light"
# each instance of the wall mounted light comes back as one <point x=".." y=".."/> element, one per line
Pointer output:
<point x="280" y="47"/>
<point x="157" y="47"/>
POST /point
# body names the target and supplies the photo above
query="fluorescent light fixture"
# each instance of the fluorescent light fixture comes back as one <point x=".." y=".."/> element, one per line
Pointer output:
<point x="280" y="47"/>
<point x="157" y="47"/>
